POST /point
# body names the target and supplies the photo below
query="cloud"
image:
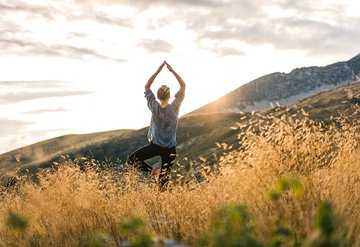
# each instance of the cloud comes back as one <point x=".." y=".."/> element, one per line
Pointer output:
<point x="146" y="4"/>
<point x="99" y="17"/>
<point x="19" y="34"/>
<point x="34" y="84"/>
<point x="47" y="110"/>
<point x="8" y="126"/>
<point x="28" y="48"/>
<point x="315" y="37"/>
<point x="15" y="97"/>
<point x="18" y="91"/>
<point x="31" y="10"/>
<point x="97" y="11"/>
<point x="115" y="21"/>
<point x="296" y="32"/>
<point x="154" y="46"/>
<point x="310" y="26"/>
<point x="48" y="11"/>
<point x="228" y="51"/>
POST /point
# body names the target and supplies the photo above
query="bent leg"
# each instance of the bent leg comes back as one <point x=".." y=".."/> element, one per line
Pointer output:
<point x="167" y="159"/>
<point x="137" y="158"/>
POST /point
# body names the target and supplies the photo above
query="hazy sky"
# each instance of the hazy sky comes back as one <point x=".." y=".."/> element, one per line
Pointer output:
<point x="79" y="66"/>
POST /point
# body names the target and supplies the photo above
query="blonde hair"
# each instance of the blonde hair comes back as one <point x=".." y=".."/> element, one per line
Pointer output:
<point x="163" y="92"/>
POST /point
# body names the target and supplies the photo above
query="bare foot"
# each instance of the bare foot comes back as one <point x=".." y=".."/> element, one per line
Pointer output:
<point x="155" y="173"/>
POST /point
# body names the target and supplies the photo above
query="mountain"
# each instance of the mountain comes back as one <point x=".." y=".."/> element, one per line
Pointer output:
<point x="285" y="88"/>
<point x="199" y="133"/>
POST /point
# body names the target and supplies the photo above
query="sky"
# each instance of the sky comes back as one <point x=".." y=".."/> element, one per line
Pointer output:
<point x="80" y="66"/>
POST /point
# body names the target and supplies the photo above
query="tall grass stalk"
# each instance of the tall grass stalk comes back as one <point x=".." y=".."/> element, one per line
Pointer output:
<point x="66" y="205"/>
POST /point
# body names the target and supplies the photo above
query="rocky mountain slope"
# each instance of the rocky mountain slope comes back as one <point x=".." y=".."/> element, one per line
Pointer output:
<point x="284" y="88"/>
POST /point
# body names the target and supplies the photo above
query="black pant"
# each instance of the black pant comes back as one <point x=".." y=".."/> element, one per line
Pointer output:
<point x="167" y="160"/>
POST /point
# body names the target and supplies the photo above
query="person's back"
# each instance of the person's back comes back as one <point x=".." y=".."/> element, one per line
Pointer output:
<point x="162" y="130"/>
<point x="164" y="121"/>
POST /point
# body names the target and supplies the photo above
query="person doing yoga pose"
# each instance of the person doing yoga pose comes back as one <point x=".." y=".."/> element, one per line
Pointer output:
<point x="162" y="130"/>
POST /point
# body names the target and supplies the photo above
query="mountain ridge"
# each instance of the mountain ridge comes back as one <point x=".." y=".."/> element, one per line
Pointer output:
<point x="280" y="88"/>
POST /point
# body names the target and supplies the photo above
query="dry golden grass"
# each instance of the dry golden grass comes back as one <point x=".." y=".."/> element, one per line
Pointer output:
<point x="65" y="206"/>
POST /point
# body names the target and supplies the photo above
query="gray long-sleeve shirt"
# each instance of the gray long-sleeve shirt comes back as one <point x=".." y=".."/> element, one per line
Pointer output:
<point x="164" y="121"/>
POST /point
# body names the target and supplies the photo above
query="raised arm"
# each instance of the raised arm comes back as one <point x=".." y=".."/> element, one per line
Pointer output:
<point x="152" y="78"/>
<point x="178" y="78"/>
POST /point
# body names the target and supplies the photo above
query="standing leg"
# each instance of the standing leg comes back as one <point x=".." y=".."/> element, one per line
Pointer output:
<point x="137" y="158"/>
<point x="167" y="160"/>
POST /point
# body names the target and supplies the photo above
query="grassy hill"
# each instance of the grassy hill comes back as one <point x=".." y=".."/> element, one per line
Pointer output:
<point x="39" y="153"/>
<point x="292" y="182"/>
<point x="197" y="134"/>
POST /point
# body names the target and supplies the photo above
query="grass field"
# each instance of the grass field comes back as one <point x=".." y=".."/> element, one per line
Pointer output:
<point x="293" y="182"/>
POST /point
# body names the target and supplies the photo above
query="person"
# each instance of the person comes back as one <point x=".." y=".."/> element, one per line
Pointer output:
<point x="162" y="130"/>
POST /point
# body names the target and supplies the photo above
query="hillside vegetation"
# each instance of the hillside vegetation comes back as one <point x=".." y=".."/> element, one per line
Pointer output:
<point x="197" y="135"/>
<point x="292" y="182"/>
